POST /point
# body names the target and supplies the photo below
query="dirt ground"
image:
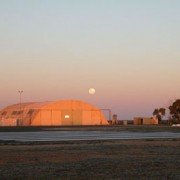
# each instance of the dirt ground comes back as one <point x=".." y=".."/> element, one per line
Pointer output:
<point x="115" y="159"/>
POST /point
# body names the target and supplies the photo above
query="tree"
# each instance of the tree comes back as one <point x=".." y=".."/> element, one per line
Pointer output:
<point x="162" y="111"/>
<point x="159" y="113"/>
<point x="175" y="112"/>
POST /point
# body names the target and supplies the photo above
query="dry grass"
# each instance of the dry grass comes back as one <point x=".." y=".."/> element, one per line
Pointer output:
<point x="119" y="159"/>
<point x="132" y="128"/>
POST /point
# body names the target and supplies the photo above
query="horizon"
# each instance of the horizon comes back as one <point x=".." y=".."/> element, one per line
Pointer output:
<point x="128" y="51"/>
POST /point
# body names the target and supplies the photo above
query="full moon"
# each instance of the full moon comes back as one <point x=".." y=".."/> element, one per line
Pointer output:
<point x="92" y="91"/>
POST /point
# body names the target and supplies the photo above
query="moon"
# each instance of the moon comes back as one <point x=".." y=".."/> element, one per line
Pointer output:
<point x="92" y="91"/>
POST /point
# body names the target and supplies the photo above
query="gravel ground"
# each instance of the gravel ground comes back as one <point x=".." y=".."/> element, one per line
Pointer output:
<point x="115" y="159"/>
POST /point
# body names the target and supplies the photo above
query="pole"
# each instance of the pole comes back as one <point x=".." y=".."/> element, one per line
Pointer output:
<point x="20" y="101"/>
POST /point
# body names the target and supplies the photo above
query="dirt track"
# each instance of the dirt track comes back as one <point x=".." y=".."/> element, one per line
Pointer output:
<point x="120" y="159"/>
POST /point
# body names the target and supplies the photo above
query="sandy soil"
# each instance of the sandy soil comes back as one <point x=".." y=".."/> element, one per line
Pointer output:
<point x="117" y="159"/>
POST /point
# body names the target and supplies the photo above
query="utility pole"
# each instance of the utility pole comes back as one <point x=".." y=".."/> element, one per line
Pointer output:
<point x="20" y="104"/>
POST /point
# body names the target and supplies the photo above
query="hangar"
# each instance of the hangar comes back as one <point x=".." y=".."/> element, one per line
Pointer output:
<point x="57" y="113"/>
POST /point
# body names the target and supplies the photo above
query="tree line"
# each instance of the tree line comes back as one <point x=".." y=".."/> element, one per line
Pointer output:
<point x="174" y="113"/>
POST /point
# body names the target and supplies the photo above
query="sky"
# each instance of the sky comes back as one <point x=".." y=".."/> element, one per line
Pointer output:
<point x="128" y="50"/>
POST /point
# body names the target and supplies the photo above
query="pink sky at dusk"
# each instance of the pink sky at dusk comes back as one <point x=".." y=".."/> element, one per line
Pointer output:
<point x="127" y="50"/>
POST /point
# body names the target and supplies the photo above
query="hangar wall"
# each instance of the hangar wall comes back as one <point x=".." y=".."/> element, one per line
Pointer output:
<point x="64" y="112"/>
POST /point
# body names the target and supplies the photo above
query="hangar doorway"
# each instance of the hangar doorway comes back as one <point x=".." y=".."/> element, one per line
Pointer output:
<point x="71" y="117"/>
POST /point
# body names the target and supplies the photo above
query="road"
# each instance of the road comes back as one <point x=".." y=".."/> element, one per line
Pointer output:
<point x="83" y="135"/>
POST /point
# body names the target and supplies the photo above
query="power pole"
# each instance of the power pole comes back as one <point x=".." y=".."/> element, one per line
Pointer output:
<point x="20" y="104"/>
